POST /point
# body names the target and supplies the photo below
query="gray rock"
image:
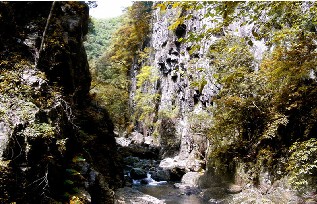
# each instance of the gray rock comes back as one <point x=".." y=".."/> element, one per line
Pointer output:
<point x="45" y="110"/>
<point x="122" y="141"/>
<point x="176" y="167"/>
<point x="161" y="175"/>
<point x="131" y="196"/>
<point x="138" y="173"/>
<point x="136" y="138"/>
<point x="216" y="193"/>
<point x="175" y="66"/>
<point x="149" y="141"/>
<point x="233" y="189"/>
<point x="168" y="163"/>
<point x="191" y="179"/>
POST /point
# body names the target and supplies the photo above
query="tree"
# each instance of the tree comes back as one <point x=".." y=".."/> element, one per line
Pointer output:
<point x="44" y="33"/>
<point x="112" y="69"/>
<point x="263" y="112"/>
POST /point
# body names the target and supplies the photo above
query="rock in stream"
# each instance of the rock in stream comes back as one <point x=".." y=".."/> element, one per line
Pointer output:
<point x="128" y="195"/>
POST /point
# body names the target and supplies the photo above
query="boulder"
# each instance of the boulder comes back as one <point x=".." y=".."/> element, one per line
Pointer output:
<point x="138" y="173"/>
<point x="171" y="163"/>
<point x="123" y="142"/>
<point x="191" y="179"/>
<point x="233" y="189"/>
<point x="136" y="138"/>
<point x="168" y="163"/>
<point x="145" y="181"/>
<point x="130" y="160"/>
<point x="161" y="175"/>
<point x="176" y="167"/>
<point x="130" y="196"/>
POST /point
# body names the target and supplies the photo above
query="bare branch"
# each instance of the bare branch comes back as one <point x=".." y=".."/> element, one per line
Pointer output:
<point x="44" y="32"/>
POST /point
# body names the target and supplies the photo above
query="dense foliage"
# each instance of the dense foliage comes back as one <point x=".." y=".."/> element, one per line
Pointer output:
<point x="265" y="111"/>
<point x="146" y="98"/>
<point x="111" y="71"/>
<point x="100" y="35"/>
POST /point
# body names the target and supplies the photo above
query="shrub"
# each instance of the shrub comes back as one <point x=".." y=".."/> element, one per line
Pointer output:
<point x="303" y="165"/>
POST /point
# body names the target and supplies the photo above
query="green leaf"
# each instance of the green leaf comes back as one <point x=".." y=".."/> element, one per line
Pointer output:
<point x="78" y="159"/>
<point x="72" y="172"/>
<point x="68" y="182"/>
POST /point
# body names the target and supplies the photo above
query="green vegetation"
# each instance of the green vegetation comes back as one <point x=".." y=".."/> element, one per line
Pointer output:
<point x="111" y="71"/>
<point x="41" y="129"/>
<point x="72" y="184"/>
<point x="303" y="164"/>
<point x="100" y="36"/>
<point x="145" y="99"/>
<point x="265" y="112"/>
<point x="200" y="122"/>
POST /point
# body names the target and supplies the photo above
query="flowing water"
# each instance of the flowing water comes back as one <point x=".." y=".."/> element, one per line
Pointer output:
<point x="168" y="193"/>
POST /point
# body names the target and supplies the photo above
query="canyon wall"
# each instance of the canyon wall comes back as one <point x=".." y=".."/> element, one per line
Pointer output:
<point x="56" y="144"/>
<point x="182" y="83"/>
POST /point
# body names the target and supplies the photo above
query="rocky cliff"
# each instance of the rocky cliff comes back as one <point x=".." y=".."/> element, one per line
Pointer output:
<point x="56" y="144"/>
<point x="177" y="82"/>
<point x="182" y="80"/>
<point x="254" y="137"/>
<point x="173" y="71"/>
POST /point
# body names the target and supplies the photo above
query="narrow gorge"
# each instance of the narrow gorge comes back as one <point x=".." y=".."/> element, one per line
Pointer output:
<point x="171" y="102"/>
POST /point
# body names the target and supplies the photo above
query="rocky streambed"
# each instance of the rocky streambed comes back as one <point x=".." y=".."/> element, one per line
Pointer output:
<point x="150" y="179"/>
<point x="167" y="185"/>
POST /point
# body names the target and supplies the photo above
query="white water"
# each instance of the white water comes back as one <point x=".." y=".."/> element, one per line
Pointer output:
<point x="166" y="191"/>
<point x="149" y="181"/>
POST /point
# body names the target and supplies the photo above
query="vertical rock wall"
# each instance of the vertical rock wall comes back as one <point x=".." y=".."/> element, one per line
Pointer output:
<point x="55" y="143"/>
<point x="179" y="71"/>
<point x="185" y="82"/>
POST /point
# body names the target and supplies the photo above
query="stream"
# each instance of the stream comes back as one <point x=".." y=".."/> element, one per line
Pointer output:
<point x="170" y="194"/>
<point x="144" y="174"/>
<point x="167" y="191"/>
<point x="148" y="179"/>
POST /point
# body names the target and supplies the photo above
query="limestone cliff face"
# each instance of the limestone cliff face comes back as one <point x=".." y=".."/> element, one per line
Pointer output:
<point x="185" y="84"/>
<point x="55" y="144"/>
<point x="181" y="97"/>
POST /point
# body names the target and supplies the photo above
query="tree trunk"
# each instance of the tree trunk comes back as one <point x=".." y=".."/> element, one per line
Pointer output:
<point x="44" y="33"/>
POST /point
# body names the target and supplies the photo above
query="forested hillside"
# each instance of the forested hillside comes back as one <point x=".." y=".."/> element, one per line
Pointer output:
<point x="100" y="35"/>
<point x="112" y="65"/>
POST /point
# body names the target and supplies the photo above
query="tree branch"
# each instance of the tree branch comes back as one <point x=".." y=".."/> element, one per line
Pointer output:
<point x="44" y="33"/>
